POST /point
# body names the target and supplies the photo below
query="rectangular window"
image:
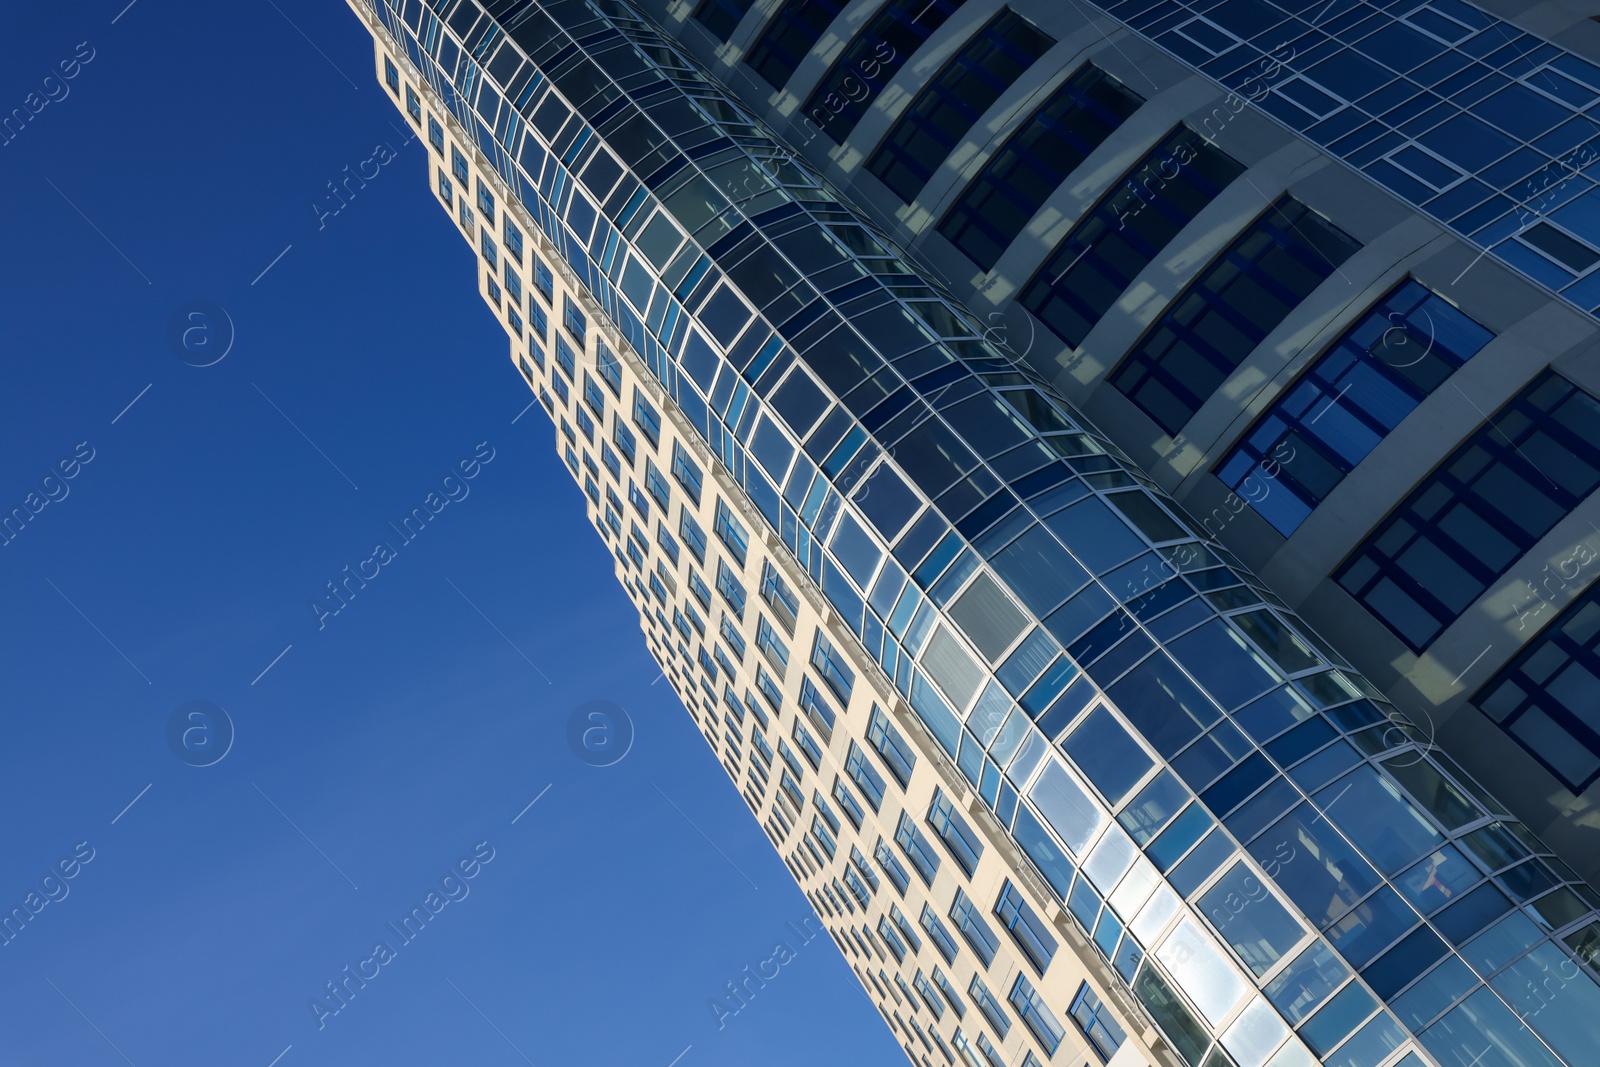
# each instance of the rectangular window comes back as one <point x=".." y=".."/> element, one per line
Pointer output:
<point x="1125" y="231"/>
<point x="458" y="165"/>
<point x="1017" y="180"/>
<point x="653" y="479"/>
<point x="640" y="502"/>
<point x="489" y="251"/>
<point x="768" y="688"/>
<point x="929" y="995"/>
<point x="990" y="1007"/>
<point x="513" y="285"/>
<point x="857" y="888"/>
<point x="721" y="17"/>
<point x="779" y="597"/>
<point x="847" y="801"/>
<point x="731" y="532"/>
<point x="949" y="993"/>
<point x="897" y="755"/>
<point x="1214" y="324"/>
<point x="787" y="784"/>
<point x="865" y="776"/>
<point x="1097" y="1023"/>
<point x="543" y="280"/>
<point x="585" y="425"/>
<point x="446" y="190"/>
<point x="647" y="418"/>
<point x="1546" y="697"/>
<point x="939" y="934"/>
<point x="958" y="836"/>
<point x="574" y="320"/>
<point x="927" y="132"/>
<point x="698" y="588"/>
<point x="833" y="668"/>
<point x="436" y="135"/>
<point x="789" y="38"/>
<point x="816" y="708"/>
<point x="1030" y="932"/>
<point x="1350" y="399"/>
<point x="485" y="203"/>
<point x="593" y="399"/>
<point x="693" y="535"/>
<point x="890" y="866"/>
<point x="609" y="364"/>
<point x="823" y="838"/>
<point x="541" y="324"/>
<point x="391" y="75"/>
<point x="1480" y="510"/>
<point x="732" y="590"/>
<point x="891" y="938"/>
<point x="686" y="471"/>
<point x="870" y="61"/>
<point x="624" y="438"/>
<point x="565" y="358"/>
<point x="903" y="924"/>
<point x="808" y="745"/>
<point x="413" y="105"/>
<point x="465" y="216"/>
<point x="918" y="849"/>
<point x="964" y="913"/>
<point x="730" y="634"/>
<point x="771" y="646"/>
<point x="513" y="238"/>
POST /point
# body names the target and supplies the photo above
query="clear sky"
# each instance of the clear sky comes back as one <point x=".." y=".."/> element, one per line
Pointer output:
<point x="171" y="553"/>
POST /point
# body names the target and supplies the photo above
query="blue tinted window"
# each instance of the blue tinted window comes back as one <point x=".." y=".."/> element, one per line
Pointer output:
<point x="1038" y="1017"/>
<point x="1021" y="175"/>
<point x="1027" y="928"/>
<point x="871" y="61"/>
<point x="721" y="17"/>
<point x="964" y="913"/>
<point x="958" y="836"/>
<point x="1547" y="697"/>
<point x="1220" y="318"/>
<point x="1125" y="230"/>
<point x="1097" y="1023"/>
<point x="929" y="130"/>
<point x="1358" y="391"/>
<point x="787" y="39"/>
<point x="1487" y="504"/>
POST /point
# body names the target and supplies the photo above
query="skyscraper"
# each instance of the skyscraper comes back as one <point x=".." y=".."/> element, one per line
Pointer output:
<point x="1064" y="779"/>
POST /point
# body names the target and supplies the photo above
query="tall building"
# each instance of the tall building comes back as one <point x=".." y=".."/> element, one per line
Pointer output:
<point x="1066" y="781"/>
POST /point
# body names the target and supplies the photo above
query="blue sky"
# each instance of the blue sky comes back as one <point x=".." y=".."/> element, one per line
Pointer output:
<point x="205" y="510"/>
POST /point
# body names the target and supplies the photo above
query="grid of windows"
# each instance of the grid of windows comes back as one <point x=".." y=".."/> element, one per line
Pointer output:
<point x="929" y="130"/>
<point x="721" y="17"/>
<point x="789" y="37"/>
<point x="1125" y="231"/>
<point x="1020" y="177"/>
<point x="1548" y="698"/>
<point x="871" y="60"/>
<point x="1224" y="313"/>
<point x="1488" y="503"/>
<point x="1350" y="399"/>
<point x="1097" y="1023"/>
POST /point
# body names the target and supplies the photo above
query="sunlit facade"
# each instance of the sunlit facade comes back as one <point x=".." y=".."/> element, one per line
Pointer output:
<point x="1064" y="780"/>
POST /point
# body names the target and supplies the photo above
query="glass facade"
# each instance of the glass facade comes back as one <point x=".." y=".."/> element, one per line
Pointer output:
<point x="1279" y="868"/>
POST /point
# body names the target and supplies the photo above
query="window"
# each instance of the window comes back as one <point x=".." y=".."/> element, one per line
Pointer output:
<point x="458" y="165"/>
<point x="871" y="61"/>
<point x="1216" y="322"/>
<point x="446" y="191"/>
<point x="886" y="740"/>
<point x="686" y="471"/>
<point x="609" y="365"/>
<point x="865" y="776"/>
<point x="857" y="888"/>
<point x="917" y="848"/>
<point x="489" y="251"/>
<point x="1036" y="1015"/>
<point x="465" y="216"/>
<point x="536" y="317"/>
<point x="847" y="801"/>
<point x="897" y="947"/>
<point x="1488" y="503"/>
<point x="624" y="438"/>
<point x="779" y="597"/>
<point x="816" y="708"/>
<point x="574" y="320"/>
<point x="939" y="934"/>
<point x="890" y="866"/>
<point x="543" y="281"/>
<point x="1358" y="391"/>
<point x="771" y="646"/>
<point x="787" y="783"/>
<point x="990" y="1007"/>
<point x="929" y="130"/>
<point x="1027" y="929"/>
<point x="436" y="135"/>
<point x="731" y="532"/>
<point x="693" y="535"/>
<point x="640" y="502"/>
<point x="721" y="17"/>
<point x="646" y="417"/>
<point x="833" y="668"/>
<point x="808" y="745"/>
<point x="413" y="105"/>
<point x="565" y="358"/>
<point x="730" y="634"/>
<point x="485" y="202"/>
<point x="789" y="37"/>
<point x="959" y="837"/>
<point x="733" y="592"/>
<point x="964" y="913"/>
<point x="595" y="400"/>
<point x="948" y="991"/>
<point x="513" y="238"/>
<point x="653" y="480"/>
<point x="391" y="75"/>
<point x="820" y="834"/>
<point x="513" y="286"/>
<point x="1018" y="178"/>
<point x="1546" y="697"/>
<point x="929" y="995"/>
<point x="1097" y="1023"/>
<point x="769" y="688"/>
<point x="903" y="924"/>
<point x="1125" y="231"/>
